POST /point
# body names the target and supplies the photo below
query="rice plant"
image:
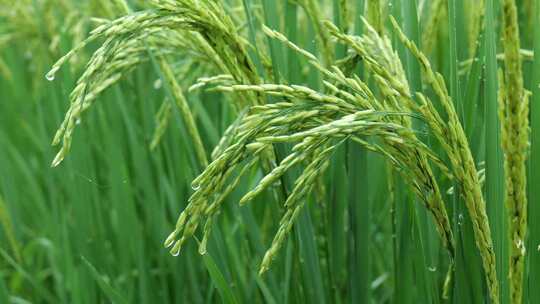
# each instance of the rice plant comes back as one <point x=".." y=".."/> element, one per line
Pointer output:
<point x="294" y="151"/>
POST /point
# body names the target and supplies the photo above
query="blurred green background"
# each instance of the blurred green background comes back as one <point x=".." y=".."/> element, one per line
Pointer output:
<point x="92" y="229"/>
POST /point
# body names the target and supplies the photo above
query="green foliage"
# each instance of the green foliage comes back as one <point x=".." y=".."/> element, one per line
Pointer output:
<point x="315" y="151"/>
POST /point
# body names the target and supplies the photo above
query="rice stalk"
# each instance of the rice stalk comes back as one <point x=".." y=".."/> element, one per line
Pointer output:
<point x="533" y="256"/>
<point x="514" y="113"/>
<point x="162" y="119"/>
<point x="494" y="154"/>
<point x="454" y="141"/>
<point x="344" y="14"/>
<point x="375" y="15"/>
<point x="127" y="39"/>
<point x="183" y="106"/>
<point x="525" y="55"/>
<point x="476" y="24"/>
<point x="391" y="80"/>
<point x="313" y="10"/>
<point x="312" y="130"/>
<point x="437" y="12"/>
<point x="7" y="225"/>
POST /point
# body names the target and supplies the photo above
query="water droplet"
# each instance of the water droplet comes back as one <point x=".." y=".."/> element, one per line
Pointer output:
<point x="157" y="84"/>
<point x="202" y="248"/>
<point x="170" y="239"/>
<point x="175" y="251"/>
<point x="195" y="187"/>
<point x="432" y="268"/>
<point x="78" y="121"/>
<point x="49" y="76"/>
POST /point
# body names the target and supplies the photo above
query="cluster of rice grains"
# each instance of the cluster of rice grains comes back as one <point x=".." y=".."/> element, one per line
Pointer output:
<point x="40" y="30"/>
<point x="314" y="121"/>
<point x="172" y="27"/>
<point x="514" y="115"/>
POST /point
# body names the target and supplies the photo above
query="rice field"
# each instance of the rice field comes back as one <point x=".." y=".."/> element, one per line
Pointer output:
<point x="269" y="151"/>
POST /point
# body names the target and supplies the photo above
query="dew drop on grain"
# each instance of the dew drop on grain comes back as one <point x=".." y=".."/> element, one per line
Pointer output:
<point x="157" y="84"/>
